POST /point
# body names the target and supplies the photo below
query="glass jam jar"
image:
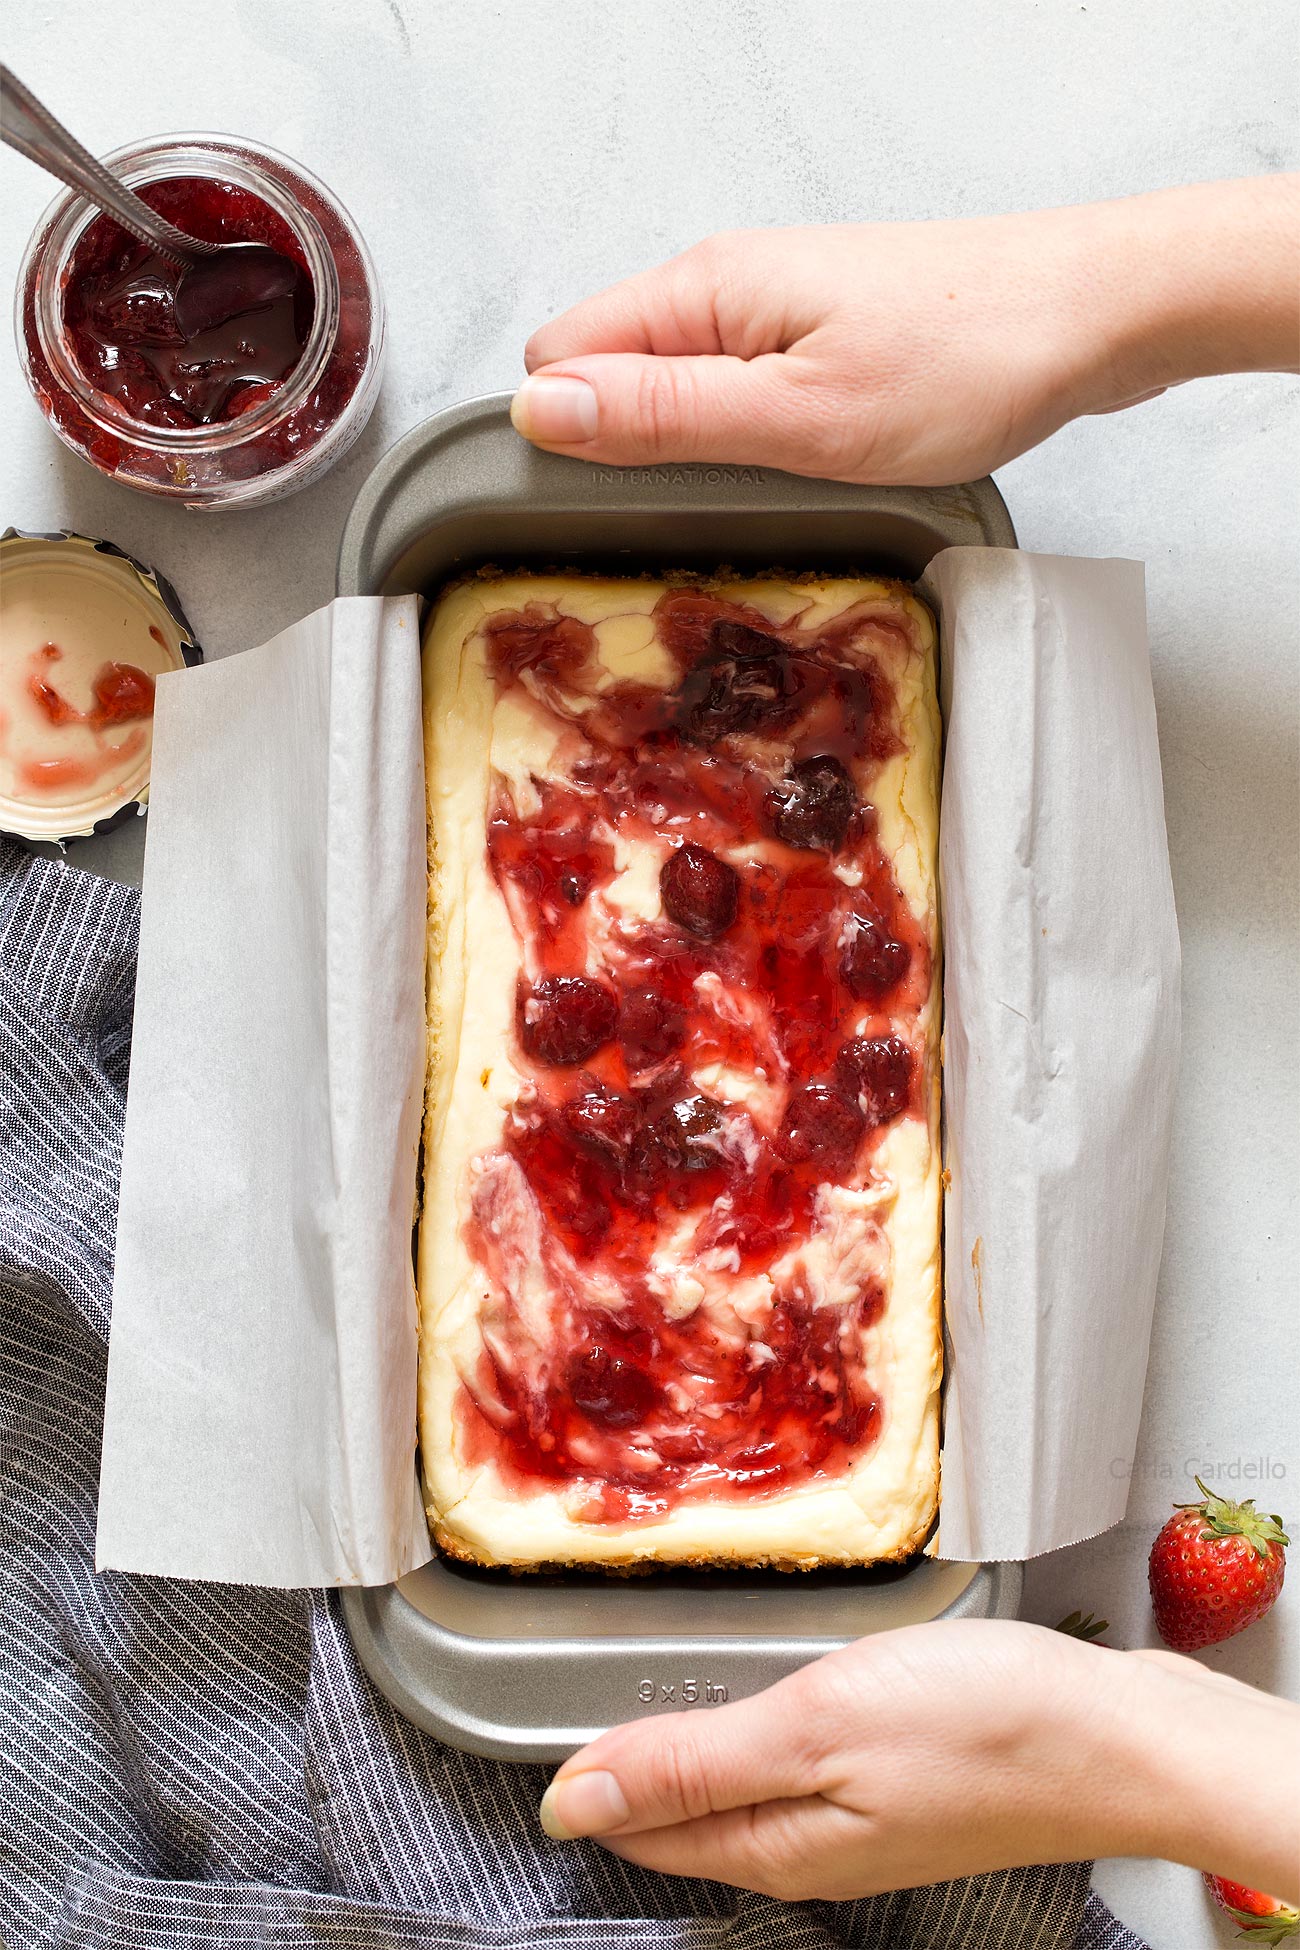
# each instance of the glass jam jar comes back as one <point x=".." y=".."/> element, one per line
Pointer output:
<point x="99" y="386"/>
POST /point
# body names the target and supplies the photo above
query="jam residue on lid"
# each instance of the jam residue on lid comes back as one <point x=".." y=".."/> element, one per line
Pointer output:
<point x="85" y="632"/>
<point x="121" y="694"/>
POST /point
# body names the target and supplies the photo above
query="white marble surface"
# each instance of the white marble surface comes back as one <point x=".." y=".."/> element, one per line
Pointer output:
<point x="504" y="159"/>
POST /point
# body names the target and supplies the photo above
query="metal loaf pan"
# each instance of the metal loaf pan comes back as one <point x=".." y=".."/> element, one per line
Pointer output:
<point x="530" y="1668"/>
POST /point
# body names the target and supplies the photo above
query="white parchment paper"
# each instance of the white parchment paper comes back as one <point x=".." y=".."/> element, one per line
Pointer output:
<point x="1061" y="1035"/>
<point x="260" y="1420"/>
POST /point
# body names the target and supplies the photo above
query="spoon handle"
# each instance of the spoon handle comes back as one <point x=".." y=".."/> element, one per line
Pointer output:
<point x="27" y="126"/>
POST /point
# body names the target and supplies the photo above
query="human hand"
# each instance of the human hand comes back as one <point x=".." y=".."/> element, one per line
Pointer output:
<point x="944" y="1750"/>
<point x="917" y="352"/>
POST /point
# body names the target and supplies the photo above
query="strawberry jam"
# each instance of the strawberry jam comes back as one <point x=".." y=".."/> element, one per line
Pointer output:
<point x="235" y="382"/>
<point x="166" y="369"/>
<point x="708" y="1062"/>
<point x="121" y="692"/>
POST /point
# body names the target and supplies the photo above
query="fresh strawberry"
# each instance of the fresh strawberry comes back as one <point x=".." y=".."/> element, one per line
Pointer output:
<point x="1214" y="1569"/>
<point x="1263" y="1919"/>
<point x="1082" y="1625"/>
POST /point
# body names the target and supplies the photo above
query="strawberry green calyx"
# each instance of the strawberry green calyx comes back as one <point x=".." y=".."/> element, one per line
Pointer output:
<point x="1281" y="1927"/>
<point x="1082" y="1625"/>
<point x="1225" y="1518"/>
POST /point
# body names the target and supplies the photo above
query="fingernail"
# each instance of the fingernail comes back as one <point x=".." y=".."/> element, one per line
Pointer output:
<point x="583" y="1804"/>
<point x="555" y="408"/>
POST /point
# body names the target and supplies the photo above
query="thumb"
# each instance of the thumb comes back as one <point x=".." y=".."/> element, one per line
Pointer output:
<point x="626" y="408"/>
<point x="678" y="1767"/>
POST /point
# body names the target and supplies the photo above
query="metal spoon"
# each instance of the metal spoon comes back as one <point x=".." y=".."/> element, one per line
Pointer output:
<point x="212" y="285"/>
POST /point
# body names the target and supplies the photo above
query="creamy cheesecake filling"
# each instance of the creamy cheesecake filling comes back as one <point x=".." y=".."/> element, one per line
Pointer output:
<point x="680" y="1230"/>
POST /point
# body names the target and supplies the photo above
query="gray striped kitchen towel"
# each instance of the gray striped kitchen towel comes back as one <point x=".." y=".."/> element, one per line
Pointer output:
<point x="198" y="1764"/>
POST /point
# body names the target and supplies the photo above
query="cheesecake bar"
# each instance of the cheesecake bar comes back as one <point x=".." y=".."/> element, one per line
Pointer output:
<point x="679" y="1248"/>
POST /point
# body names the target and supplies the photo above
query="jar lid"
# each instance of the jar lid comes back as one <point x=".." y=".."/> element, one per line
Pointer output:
<point x="84" y="632"/>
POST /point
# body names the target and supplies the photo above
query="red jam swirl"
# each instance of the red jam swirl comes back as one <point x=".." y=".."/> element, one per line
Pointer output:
<point x="122" y="696"/>
<point x="122" y="692"/>
<point x="55" y="774"/>
<point x="799" y="964"/>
